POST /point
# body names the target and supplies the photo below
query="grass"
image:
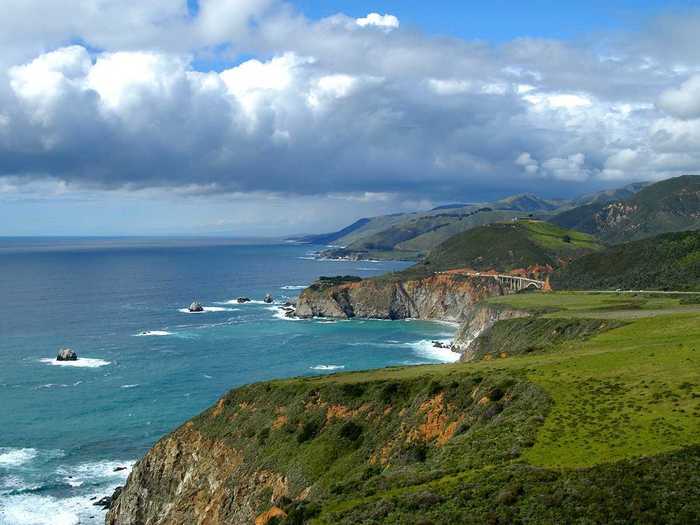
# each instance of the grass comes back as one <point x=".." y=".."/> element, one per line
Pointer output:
<point x="606" y="429"/>
<point x="551" y="237"/>
<point x="615" y="398"/>
<point x="586" y="304"/>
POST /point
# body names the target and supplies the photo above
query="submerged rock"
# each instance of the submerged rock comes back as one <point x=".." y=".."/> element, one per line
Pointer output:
<point x="242" y="300"/>
<point x="268" y="299"/>
<point x="196" y="307"/>
<point x="107" y="502"/>
<point x="66" y="354"/>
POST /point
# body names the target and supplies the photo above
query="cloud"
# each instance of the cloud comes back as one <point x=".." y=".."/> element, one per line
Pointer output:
<point x="684" y="101"/>
<point x="385" y="22"/>
<point x="571" y="168"/>
<point x="337" y="106"/>
<point x="530" y="165"/>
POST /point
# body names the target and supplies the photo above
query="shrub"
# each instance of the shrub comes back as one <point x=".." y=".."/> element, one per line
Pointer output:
<point x="351" y="431"/>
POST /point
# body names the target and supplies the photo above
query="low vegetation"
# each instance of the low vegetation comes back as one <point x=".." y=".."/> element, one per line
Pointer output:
<point x="583" y="421"/>
<point x="665" y="262"/>
<point x="504" y="247"/>
<point x="521" y="336"/>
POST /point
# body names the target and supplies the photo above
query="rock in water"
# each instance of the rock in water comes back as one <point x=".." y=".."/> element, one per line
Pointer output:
<point x="66" y="354"/>
<point x="242" y="300"/>
<point x="268" y="299"/>
<point x="108" y="501"/>
<point x="196" y="307"/>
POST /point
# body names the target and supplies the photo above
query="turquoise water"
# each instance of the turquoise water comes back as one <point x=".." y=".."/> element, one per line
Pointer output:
<point x="146" y="366"/>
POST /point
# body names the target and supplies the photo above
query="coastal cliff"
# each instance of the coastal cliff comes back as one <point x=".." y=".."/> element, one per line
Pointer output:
<point x="444" y="297"/>
<point x="479" y="321"/>
<point x="296" y="450"/>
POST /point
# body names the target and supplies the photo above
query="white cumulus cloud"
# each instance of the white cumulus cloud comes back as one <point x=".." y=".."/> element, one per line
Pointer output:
<point x="386" y="21"/>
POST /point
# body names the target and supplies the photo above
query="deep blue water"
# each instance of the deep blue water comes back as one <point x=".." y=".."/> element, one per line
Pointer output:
<point x="145" y="366"/>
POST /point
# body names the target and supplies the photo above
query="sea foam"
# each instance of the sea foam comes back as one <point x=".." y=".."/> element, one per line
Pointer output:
<point x="427" y="350"/>
<point x="14" y="457"/>
<point x="82" y="362"/>
<point x="327" y="367"/>
<point x="153" y="333"/>
<point x="208" y="309"/>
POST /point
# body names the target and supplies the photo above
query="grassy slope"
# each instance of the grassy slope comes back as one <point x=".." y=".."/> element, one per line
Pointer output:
<point x="430" y="239"/>
<point x="526" y="335"/>
<point x="504" y="247"/>
<point x="664" y="262"/>
<point x="408" y="236"/>
<point x="602" y="431"/>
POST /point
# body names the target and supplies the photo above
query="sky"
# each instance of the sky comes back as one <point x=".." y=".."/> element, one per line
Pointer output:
<point x="275" y="117"/>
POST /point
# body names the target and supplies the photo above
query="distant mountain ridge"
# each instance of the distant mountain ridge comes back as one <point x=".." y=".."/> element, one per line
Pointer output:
<point x="327" y="238"/>
<point x="670" y="205"/>
<point x="410" y="236"/>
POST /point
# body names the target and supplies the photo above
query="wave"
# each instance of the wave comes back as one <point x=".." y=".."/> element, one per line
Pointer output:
<point x="427" y="350"/>
<point x="326" y="322"/>
<point x="279" y="313"/>
<point x="235" y="301"/>
<point x="14" y="457"/>
<point x="97" y="471"/>
<point x="59" y="385"/>
<point x="27" y="504"/>
<point x="209" y="309"/>
<point x="82" y="362"/>
<point x="129" y="386"/>
<point x="293" y="287"/>
<point x="153" y="333"/>
<point x="327" y="367"/>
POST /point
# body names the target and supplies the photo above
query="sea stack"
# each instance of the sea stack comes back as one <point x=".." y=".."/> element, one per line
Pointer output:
<point x="242" y="300"/>
<point x="196" y="307"/>
<point x="268" y="299"/>
<point x="66" y="354"/>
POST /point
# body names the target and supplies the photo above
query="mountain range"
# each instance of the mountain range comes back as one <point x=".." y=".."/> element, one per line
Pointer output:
<point x="632" y="212"/>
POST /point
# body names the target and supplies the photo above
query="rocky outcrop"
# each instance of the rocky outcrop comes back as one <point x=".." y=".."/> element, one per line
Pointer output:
<point x="480" y="319"/>
<point x="108" y="501"/>
<point x="189" y="478"/>
<point x="442" y="297"/>
<point x="196" y="307"/>
<point x="66" y="354"/>
<point x="268" y="299"/>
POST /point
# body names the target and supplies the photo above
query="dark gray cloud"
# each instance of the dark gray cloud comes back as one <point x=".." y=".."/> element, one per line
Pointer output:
<point x="339" y="107"/>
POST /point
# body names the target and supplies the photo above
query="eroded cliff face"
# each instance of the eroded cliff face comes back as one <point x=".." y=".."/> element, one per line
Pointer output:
<point x="188" y="478"/>
<point x="442" y="297"/>
<point x="480" y="319"/>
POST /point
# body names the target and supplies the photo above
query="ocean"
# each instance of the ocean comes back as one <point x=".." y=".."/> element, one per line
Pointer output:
<point x="145" y="364"/>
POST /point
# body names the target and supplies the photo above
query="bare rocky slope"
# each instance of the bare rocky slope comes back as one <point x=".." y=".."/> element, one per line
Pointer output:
<point x="443" y="297"/>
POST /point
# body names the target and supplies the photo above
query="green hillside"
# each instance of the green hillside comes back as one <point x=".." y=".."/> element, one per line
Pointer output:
<point x="665" y="262"/>
<point x="505" y="247"/>
<point x="422" y="233"/>
<point x="603" y="429"/>
<point x="411" y="235"/>
<point x="667" y="206"/>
